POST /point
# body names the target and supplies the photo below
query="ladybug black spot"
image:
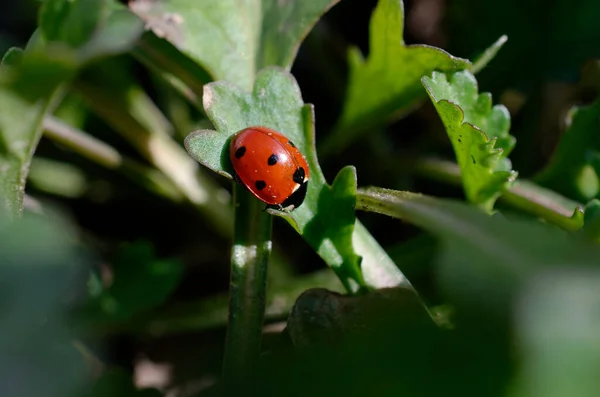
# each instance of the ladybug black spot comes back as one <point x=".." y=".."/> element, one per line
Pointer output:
<point x="291" y="144"/>
<point x="240" y="152"/>
<point x="273" y="159"/>
<point x="260" y="185"/>
<point x="298" y="176"/>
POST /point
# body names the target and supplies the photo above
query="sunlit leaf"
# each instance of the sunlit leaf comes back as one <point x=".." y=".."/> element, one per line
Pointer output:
<point x="233" y="39"/>
<point x="326" y="218"/>
<point x="387" y="84"/>
<point x="478" y="132"/>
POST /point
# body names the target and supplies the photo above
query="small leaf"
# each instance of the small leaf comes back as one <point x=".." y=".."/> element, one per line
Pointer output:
<point x="326" y="218"/>
<point x="574" y="169"/>
<point x="485" y="260"/>
<point x="387" y="84"/>
<point x="486" y="57"/>
<point x="478" y="132"/>
<point x="233" y="39"/>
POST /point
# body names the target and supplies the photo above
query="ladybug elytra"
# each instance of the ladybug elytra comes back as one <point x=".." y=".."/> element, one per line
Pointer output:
<point x="270" y="166"/>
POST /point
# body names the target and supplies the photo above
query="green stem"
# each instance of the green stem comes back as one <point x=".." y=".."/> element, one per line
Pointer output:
<point x="524" y="195"/>
<point x="249" y="259"/>
<point x="108" y="157"/>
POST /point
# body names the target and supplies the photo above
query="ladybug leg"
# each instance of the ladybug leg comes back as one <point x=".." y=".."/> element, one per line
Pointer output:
<point x="277" y="207"/>
<point x="236" y="177"/>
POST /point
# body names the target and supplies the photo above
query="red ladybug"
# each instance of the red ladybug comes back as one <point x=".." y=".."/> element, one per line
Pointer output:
<point x="270" y="166"/>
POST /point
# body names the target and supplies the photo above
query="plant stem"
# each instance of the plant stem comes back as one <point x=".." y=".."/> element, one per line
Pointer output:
<point x="524" y="195"/>
<point x="105" y="155"/>
<point x="249" y="259"/>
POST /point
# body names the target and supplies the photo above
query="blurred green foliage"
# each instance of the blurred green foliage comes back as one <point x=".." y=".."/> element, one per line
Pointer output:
<point x="450" y="274"/>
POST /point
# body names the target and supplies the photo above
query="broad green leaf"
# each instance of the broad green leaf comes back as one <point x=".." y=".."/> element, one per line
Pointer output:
<point x="574" y="169"/>
<point x="140" y="282"/>
<point x="387" y="84"/>
<point x="478" y="132"/>
<point x="69" y="37"/>
<point x="326" y="218"/>
<point x="558" y="357"/>
<point x="485" y="260"/>
<point x="320" y="317"/>
<point x="233" y="39"/>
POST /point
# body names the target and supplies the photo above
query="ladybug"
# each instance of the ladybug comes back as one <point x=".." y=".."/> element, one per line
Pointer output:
<point x="270" y="166"/>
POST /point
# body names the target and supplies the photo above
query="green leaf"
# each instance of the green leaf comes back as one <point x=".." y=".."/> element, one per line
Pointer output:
<point x="387" y="84"/>
<point x="326" y="218"/>
<point x="70" y="22"/>
<point x="485" y="260"/>
<point x="478" y="132"/>
<point x="71" y="34"/>
<point x="486" y="56"/>
<point x="140" y="283"/>
<point x="233" y="39"/>
<point x="574" y="169"/>
<point x="23" y="121"/>
<point x="95" y="27"/>
<point x="321" y="317"/>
